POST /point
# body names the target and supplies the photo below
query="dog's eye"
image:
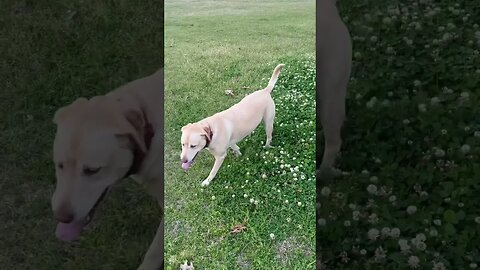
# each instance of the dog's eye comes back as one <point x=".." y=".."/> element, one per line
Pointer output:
<point x="183" y="144"/>
<point x="193" y="146"/>
<point x="90" y="171"/>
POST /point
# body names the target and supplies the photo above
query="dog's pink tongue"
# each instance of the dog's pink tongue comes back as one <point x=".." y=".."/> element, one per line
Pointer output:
<point x="186" y="165"/>
<point x="69" y="231"/>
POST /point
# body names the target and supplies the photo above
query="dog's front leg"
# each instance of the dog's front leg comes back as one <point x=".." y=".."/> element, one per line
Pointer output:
<point x="153" y="259"/>
<point x="218" y="163"/>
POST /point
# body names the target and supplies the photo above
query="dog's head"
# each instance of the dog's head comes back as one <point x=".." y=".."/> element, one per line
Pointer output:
<point x="195" y="137"/>
<point x="94" y="147"/>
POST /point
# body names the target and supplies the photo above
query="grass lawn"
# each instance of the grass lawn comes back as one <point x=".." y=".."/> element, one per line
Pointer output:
<point x="52" y="52"/>
<point x="413" y="141"/>
<point x="213" y="46"/>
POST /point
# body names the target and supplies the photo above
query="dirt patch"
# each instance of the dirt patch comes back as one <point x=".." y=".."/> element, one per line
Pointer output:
<point x="289" y="247"/>
<point x="242" y="262"/>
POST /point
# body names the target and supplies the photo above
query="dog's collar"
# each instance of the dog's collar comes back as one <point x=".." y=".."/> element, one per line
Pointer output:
<point x="138" y="154"/>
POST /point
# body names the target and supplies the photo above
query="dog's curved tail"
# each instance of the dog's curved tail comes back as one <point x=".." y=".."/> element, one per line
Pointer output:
<point x="273" y="79"/>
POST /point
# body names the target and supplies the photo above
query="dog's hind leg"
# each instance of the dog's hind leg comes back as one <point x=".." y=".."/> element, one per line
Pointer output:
<point x="268" y="123"/>
<point x="236" y="150"/>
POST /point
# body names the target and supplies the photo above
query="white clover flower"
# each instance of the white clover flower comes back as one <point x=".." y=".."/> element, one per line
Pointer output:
<point x="439" y="152"/>
<point x="233" y="195"/>
<point x="444" y="132"/>
<point x="374" y="179"/>
<point x="352" y="206"/>
<point x="402" y="243"/>
<point x="372" y="189"/>
<point x="255" y="202"/>
<point x="213" y="197"/>
<point x="433" y="232"/>
<point x="434" y="100"/>
<point x="473" y="265"/>
<point x="373" y="218"/>
<point x="392" y="198"/>
<point x="299" y="203"/>
<point x="385" y="231"/>
<point x="325" y="191"/>
<point x="289" y="220"/>
<point x="347" y="223"/>
<point x="245" y="195"/>
<point x="438" y="222"/>
<point x="412" y="209"/>
<point x="373" y="234"/>
<point x="252" y="200"/>
<point x="363" y="251"/>
<point x="417" y="83"/>
<point x="286" y="201"/>
<point x="422" y="107"/>
<point x="476" y="133"/>
<point x="357" y="55"/>
<point x="421" y="237"/>
<point x="395" y="232"/>
<point x="464" y="95"/>
<point x="438" y="266"/>
<point x="406" y="121"/>
<point x="371" y="102"/>
<point x="380" y="254"/>
<point x="356" y="215"/>
<point x="264" y="176"/>
<point x="421" y="246"/>
<point x="272" y="236"/>
<point x="465" y="148"/>
<point x="477" y="220"/>
<point x="373" y="39"/>
<point x="413" y="262"/>
<point x="321" y="222"/>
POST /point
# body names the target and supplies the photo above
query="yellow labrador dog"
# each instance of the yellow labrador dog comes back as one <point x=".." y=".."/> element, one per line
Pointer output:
<point x="223" y="130"/>
<point x="334" y="61"/>
<point x="101" y="141"/>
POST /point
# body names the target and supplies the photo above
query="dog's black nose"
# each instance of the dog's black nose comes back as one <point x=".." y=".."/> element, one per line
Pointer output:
<point x="184" y="160"/>
<point x="63" y="216"/>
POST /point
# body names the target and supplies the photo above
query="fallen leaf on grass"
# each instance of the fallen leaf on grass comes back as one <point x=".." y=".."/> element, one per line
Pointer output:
<point x="239" y="228"/>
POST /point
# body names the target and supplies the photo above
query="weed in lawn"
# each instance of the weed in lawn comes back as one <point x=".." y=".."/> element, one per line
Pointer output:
<point x="412" y="149"/>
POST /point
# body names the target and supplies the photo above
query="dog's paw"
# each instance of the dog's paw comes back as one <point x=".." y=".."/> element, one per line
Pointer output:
<point x="237" y="153"/>
<point x="268" y="146"/>
<point x="205" y="183"/>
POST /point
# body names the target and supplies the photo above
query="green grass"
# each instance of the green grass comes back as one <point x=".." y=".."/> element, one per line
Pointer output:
<point x="412" y="141"/>
<point x="218" y="45"/>
<point x="52" y="52"/>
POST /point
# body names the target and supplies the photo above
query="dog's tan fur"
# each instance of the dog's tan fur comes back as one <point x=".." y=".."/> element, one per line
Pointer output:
<point x="230" y="126"/>
<point x="105" y="132"/>
<point x="334" y="60"/>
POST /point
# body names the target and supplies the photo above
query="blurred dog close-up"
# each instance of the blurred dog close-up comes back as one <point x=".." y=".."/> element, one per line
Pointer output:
<point x="101" y="141"/>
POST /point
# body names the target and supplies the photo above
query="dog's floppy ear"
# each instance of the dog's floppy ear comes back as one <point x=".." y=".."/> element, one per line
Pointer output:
<point x="61" y="113"/>
<point x="208" y="132"/>
<point x="133" y="125"/>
